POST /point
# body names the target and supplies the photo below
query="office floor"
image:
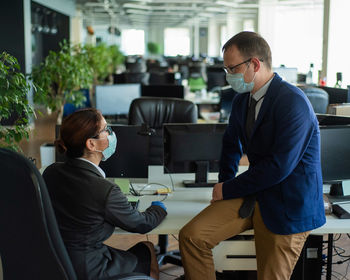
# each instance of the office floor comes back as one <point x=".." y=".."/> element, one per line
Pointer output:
<point x="44" y="132"/>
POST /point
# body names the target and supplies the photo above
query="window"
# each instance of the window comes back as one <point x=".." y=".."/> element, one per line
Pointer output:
<point x="298" y="35"/>
<point x="176" y="41"/>
<point x="133" y="41"/>
<point x="338" y="43"/>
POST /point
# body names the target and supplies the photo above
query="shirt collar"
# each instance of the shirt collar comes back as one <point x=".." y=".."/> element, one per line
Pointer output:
<point x="98" y="168"/>
<point x="262" y="91"/>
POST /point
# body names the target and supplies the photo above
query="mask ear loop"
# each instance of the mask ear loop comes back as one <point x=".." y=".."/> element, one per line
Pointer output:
<point x="246" y="71"/>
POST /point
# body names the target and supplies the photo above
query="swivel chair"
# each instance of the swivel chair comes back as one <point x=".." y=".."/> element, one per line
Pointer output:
<point x="31" y="246"/>
<point x="154" y="112"/>
<point x="319" y="98"/>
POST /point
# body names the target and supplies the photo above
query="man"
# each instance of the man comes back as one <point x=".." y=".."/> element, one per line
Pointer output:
<point x="280" y="195"/>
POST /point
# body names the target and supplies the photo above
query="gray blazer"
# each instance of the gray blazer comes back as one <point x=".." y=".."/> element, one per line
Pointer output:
<point x="88" y="208"/>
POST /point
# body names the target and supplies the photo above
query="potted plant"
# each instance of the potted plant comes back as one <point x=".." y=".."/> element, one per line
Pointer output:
<point x="104" y="61"/>
<point x="117" y="58"/>
<point x="153" y="48"/>
<point x="61" y="76"/>
<point x="14" y="90"/>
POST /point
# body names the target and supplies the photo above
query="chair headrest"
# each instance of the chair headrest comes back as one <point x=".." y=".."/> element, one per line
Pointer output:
<point x="156" y="111"/>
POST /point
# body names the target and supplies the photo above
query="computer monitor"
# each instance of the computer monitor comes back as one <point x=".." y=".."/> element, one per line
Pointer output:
<point x="193" y="148"/>
<point x="327" y="119"/>
<point x="337" y="95"/>
<point x="176" y="91"/>
<point x="131" y="157"/>
<point x="216" y="77"/>
<point x="335" y="156"/>
<point x="115" y="100"/>
<point x="288" y="74"/>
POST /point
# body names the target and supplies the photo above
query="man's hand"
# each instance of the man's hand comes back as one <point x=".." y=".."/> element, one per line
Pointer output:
<point x="217" y="192"/>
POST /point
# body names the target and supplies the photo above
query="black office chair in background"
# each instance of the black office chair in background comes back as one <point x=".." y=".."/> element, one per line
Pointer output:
<point x="226" y="97"/>
<point x="318" y="97"/>
<point x="153" y="112"/>
<point x="31" y="246"/>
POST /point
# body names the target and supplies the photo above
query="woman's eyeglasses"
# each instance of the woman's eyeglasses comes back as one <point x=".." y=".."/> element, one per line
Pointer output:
<point x="107" y="128"/>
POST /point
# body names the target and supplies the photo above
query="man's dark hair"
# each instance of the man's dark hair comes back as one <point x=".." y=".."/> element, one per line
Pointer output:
<point x="251" y="44"/>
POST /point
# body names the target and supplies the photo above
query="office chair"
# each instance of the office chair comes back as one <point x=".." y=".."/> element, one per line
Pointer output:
<point x="154" y="112"/>
<point x="319" y="98"/>
<point x="226" y="97"/>
<point x="31" y="246"/>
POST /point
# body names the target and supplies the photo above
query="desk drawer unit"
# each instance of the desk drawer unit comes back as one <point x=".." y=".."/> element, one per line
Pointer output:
<point x="235" y="255"/>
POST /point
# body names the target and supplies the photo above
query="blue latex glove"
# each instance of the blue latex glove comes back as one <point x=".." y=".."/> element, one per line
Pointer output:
<point x="159" y="203"/>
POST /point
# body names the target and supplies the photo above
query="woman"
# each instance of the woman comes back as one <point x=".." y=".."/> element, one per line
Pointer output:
<point x="88" y="207"/>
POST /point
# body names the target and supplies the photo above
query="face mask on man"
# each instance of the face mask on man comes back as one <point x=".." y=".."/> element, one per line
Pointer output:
<point x="236" y="81"/>
<point x="112" y="145"/>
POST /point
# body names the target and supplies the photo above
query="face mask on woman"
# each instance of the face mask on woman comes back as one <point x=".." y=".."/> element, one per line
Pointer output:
<point x="112" y="145"/>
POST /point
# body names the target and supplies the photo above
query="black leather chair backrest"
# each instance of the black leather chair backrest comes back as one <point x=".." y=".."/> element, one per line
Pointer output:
<point x="154" y="112"/>
<point x="318" y="98"/>
<point x="31" y="246"/>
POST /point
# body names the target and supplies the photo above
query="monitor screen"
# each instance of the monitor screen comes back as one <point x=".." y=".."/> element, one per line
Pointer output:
<point x="193" y="148"/>
<point x="288" y="74"/>
<point x="176" y="91"/>
<point x="337" y="95"/>
<point x="327" y="119"/>
<point x="116" y="99"/>
<point x="130" y="159"/>
<point x="335" y="155"/>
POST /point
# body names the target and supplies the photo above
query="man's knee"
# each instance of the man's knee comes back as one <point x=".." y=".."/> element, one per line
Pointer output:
<point x="191" y="234"/>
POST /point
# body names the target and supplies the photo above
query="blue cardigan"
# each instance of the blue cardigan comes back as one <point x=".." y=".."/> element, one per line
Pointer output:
<point x="284" y="156"/>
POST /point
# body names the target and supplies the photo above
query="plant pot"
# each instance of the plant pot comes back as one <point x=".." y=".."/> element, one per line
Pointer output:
<point x="47" y="154"/>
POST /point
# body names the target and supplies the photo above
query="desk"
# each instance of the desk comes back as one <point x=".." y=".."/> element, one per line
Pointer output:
<point x="184" y="203"/>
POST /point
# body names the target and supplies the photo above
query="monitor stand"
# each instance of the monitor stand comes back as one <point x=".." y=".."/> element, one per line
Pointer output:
<point x="201" y="180"/>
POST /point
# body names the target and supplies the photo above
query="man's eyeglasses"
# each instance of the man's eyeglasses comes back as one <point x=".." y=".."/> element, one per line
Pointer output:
<point x="107" y="128"/>
<point x="230" y="69"/>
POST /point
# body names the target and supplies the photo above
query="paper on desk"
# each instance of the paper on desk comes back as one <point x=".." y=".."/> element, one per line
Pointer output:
<point x="123" y="184"/>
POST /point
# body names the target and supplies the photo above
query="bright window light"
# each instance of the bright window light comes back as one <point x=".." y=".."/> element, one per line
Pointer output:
<point x="338" y="43"/>
<point x="298" y="37"/>
<point x="133" y="41"/>
<point x="176" y="41"/>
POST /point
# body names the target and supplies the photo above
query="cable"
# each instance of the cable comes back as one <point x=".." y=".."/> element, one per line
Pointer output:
<point x="171" y="178"/>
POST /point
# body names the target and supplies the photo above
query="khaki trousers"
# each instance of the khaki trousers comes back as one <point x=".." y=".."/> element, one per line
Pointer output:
<point x="276" y="254"/>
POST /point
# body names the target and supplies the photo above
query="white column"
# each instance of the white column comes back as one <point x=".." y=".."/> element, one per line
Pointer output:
<point x="196" y="38"/>
<point x="234" y="23"/>
<point x="213" y="38"/>
<point x="266" y="23"/>
<point x="76" y="28"/>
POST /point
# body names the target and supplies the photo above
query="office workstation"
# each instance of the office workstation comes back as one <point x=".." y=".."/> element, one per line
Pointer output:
<point x="193" y="72"/>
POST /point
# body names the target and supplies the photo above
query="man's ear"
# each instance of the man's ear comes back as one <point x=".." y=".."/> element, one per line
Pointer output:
<point x="256" y="62"/>
<point x="90" y="144"/>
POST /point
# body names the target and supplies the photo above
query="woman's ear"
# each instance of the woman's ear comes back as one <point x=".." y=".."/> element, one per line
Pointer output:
<point x="90" y="145"/>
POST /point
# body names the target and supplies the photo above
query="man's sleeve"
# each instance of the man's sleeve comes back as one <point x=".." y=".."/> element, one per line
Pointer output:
<point x="231" y="152"/>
